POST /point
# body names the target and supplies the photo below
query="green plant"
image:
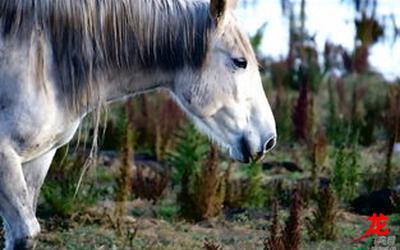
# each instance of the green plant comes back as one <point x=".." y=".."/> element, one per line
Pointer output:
<point x="190" y="150"/>
<point x="114" y="132"/>
<point x="353" y="170"/>
<point x="59" y="189"/>
<point x="236" y="189"/>
<point x="338" y="124"/>
<point x="346" y="174"/>
<point x="255" y="195"/>
<point x="202" y="186"/>
<point x="60" y="200"/>
<point x="256" y="40"/>
<point x="323" y="224"/>
<point x="186" y="159"/>
<point x="339" y="171"/>
<point x="167" y="209"/>
<point x="280" y="189"/>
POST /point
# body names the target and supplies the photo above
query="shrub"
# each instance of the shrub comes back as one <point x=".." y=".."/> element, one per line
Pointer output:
<point x="275" y="241"/>
<point x="191" y="149"/>
<point x="155" y="119"/>
<point x="303" y="113"/>
<point x="292" y="232"/>
<point x="202" y="186"/>
<point x="306" y="190"/>
<point x="210" y="187"/>
<point x="149" y="186"/>
<point x="322" y="226"/>
<point x="291" y="235"/>
<point x="186" y="159"/>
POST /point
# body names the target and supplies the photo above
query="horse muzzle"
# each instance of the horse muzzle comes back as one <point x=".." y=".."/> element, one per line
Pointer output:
<point x="251" y="152"/>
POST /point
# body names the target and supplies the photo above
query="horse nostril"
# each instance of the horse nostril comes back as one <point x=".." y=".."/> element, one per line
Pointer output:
<point x="270" y="144"/>
<point x="245" y="148"/>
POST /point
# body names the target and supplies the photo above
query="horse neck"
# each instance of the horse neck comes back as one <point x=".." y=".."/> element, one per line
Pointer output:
<point x="120" y="85"/>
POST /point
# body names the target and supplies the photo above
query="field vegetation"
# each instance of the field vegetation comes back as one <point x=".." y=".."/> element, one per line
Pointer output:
<point x="158" y="184"/>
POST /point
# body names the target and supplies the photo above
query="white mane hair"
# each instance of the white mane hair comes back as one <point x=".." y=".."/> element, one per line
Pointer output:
<point x="88" y="37"/>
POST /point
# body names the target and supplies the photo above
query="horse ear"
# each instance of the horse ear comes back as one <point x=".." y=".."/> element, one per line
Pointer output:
<point x="218" y="9"/>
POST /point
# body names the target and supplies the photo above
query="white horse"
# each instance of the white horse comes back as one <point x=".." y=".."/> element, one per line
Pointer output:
<point x="60" y="59"/>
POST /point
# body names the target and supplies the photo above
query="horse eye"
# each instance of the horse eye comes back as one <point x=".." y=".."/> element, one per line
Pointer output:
<point x="240" y="62"/>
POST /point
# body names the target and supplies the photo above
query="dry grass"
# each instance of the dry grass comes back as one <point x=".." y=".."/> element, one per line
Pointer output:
<point x="211" y="245"/>
<point x="93" y="229"/>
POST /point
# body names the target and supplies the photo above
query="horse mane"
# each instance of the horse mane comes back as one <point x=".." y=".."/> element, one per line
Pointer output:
<point x="89" y="36"/>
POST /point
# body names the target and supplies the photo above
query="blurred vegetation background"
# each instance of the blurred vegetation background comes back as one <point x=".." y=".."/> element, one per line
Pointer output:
<point x="158" y="184"/>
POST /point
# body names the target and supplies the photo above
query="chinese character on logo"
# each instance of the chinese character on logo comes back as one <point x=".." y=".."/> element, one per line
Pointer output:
<point x="377" y="226"/>
<point x="385" y="241"/>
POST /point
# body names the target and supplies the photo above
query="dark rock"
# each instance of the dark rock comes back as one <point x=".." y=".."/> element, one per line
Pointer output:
<point x="289" y="166"/>
<point x="250" y="213"/>
<point x="380" y="201"/>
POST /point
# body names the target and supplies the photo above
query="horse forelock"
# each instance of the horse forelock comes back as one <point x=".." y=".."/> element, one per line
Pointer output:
<point x="90" y="36"/>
